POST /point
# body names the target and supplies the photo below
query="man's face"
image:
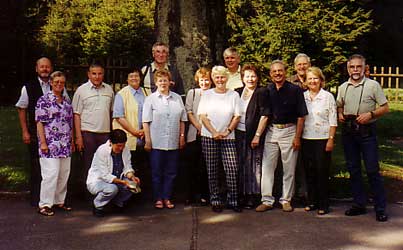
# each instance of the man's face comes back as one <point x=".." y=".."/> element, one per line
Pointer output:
<point x="43" y="68"/>
<point x="96" y="75"/>
<point x="356" y="69"/>
<point x="133" y="79"/>
<point x="160" y="54"/>
<point x="231" y="61"/>
<point x="277" y="73"/>
<point x="117" y="148"/>
<point x="301" y="65"/>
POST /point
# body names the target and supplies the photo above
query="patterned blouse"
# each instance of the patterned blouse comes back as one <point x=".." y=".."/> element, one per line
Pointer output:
<point x="321" y="116"/>
<point x="57" y="120"/>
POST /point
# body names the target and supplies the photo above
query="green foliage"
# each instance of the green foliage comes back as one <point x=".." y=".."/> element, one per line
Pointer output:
<point x="328" y="31"/>
<point x="99" y="29"/>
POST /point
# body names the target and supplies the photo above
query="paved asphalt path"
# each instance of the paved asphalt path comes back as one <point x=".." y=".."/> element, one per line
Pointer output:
<point x="191" y="228"/>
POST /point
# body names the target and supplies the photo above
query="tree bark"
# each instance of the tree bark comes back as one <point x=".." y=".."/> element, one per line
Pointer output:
<point x="194" y="31"/>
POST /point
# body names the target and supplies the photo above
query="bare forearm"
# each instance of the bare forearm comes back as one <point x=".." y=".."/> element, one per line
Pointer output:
<point x="126" y="125"/>
<point x="300" y="127"/>
<point x="262" y="125"/>
<point x="41" y="132"/>
<point x="22" y="115"/>
<point x="381" y="110"/>
<point x="234" y="123"/>
<point x="193" y="120"/>
<point x="77" y="125"/>
<point x="206" y="122"/>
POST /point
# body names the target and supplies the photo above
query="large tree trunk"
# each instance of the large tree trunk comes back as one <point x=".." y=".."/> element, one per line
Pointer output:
<point x="193" y="30"/>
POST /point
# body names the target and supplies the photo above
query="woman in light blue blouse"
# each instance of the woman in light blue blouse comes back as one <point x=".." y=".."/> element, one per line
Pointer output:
<point x="164" y="119"/>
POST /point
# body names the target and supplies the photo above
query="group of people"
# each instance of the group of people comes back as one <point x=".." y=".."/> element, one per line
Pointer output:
<point x="234" y="133"/>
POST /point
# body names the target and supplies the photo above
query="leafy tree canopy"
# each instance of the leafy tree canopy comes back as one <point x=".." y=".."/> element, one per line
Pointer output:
<point x="328" y="31"/>
<point x="98" y="29"/>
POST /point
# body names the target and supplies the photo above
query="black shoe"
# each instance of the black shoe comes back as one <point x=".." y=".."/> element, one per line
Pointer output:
<point x="216" y="208"/>
<point x="381" y="216"/>
<point x="98" y="212"/>
<point x="354" y="211"/>
<point x="237" y="209"/>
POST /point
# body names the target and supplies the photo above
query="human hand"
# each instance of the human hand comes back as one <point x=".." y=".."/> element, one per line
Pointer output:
<point x="364" y="118"/>
<point x="341" y="117"/>
<point x="44" y="148"/>
<point x="26" y="137"/>
<point x="296" y="143"/>
<point x="329" y="145"/>
<point x="147" y="146"/>
<point x="79" y="144"/>
<point x="255" y="142"/>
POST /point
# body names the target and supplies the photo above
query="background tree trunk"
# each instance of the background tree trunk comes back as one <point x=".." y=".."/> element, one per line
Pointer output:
<point x="194" y="32"/>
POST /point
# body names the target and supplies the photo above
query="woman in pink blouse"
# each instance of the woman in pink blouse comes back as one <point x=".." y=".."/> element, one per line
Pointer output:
<point x="318" y="140"/>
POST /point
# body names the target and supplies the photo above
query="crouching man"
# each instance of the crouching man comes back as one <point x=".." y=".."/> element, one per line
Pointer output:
<point x="111" y="177"/>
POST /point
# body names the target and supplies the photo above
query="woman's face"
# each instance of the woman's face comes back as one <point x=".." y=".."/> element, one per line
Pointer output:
<point x="162" y="83"/>
<point x="220" y="81"/>
<point x="204" y="83"/>
<point x="133" y="79"/>
<point x="58" y="84"/>
<point x="250" y="79"/>
<point x="313" y="82"/>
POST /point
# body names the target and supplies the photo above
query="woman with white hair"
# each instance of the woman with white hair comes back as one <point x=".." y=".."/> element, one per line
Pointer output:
<point x="219" y="112"/>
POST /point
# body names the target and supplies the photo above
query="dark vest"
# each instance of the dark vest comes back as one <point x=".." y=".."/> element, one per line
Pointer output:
<point x="34" y="91"/>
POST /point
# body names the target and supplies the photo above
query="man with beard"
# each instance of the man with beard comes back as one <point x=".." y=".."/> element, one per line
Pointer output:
<point x="30" y="93"/>
<point x="360" y="102"/>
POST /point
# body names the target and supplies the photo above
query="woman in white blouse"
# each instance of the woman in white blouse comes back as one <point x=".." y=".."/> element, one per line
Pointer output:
<point x="219" y="112"/>
<point x="318" y="140"/>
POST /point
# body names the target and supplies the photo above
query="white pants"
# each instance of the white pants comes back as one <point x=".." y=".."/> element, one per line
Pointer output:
<point x="55" y="173"/>
<point x="278" y="140"/>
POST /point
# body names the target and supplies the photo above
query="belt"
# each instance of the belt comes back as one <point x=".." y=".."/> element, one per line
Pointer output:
<point x="281" y="126"/>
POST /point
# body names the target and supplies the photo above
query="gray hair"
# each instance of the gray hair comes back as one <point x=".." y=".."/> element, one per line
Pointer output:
<point x="230" y="51"/>
<point x="277" y="61"/>
<point x="357" y="56"/>
<point x="302" y="55"/>
<point x="57" y="74"/>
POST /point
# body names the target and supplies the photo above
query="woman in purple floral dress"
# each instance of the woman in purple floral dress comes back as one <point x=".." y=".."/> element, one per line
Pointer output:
<point x="54" y="117"/>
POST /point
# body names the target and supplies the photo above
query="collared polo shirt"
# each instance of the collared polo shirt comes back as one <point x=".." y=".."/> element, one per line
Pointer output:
<point x="94" y="105"/>
<point x="322" y="115"/>
<point x="360" y="98"/>
<point x="164" y="113"/>
<point x="119" y="109"/>
<point x="286" y="104"/>
<point x="147" y="79"/>
<point x="234" y="80"/>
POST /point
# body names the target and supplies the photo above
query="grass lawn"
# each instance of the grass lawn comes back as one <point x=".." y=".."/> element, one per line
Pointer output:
<point x="14" y="161"/>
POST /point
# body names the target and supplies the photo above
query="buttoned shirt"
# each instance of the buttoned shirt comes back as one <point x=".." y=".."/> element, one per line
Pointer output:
<point x="164" y="113"/>
<point x="23" y="101"/>
<point x="57" y="120"/>
<point x="285" y="105"/>
<point x="322" y="114"/>
<point x="360" y="98"/>
<point x="234" y="80"/>
<point x="94" y="105"/>
<point x="119" y="108"/>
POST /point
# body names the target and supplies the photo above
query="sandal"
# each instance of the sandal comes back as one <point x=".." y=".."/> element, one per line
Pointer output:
<point x="323" y="211"/>
<point x="46" y="211"/>
<point x="63" y="207"/>
<point x="310" y="208"/>
<point x="158" y="204"/>
<point x="168" y="204"/>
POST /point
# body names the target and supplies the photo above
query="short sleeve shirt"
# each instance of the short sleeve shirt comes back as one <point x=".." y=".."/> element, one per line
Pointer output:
<point x="321" y="115"/>
<point x="164" y="113"/>
<point x="360" y="98"/>
<point x="234" y="80"/>
<point x="57" y="119"/>
<point x="119" y="108"/>
<point x="219" y="108"/>
<point x="94" y="105"/>
<point x="285" y="105"/>
<point x="192" y="105"/>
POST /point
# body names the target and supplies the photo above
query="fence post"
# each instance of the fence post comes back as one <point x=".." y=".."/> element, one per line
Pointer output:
<point x="375" y="73"/>
<point x="397" y="85"/>
<point x="390" y="78"/>
<point x="382" y="81"/>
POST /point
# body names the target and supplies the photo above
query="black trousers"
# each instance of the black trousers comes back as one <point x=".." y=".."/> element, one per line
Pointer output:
<point x="317" y="163"/>
<point x="35" y="173"/>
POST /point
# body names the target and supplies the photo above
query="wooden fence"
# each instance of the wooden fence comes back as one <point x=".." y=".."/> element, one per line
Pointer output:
<point x="390" y="80"/>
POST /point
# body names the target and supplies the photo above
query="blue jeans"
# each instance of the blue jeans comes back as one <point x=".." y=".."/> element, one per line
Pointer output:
<point x="164" y="167"/>
<point x="355" y="144"/>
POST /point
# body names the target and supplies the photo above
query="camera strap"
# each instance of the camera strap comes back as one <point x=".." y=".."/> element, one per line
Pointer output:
<point x="359" y="101"/>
